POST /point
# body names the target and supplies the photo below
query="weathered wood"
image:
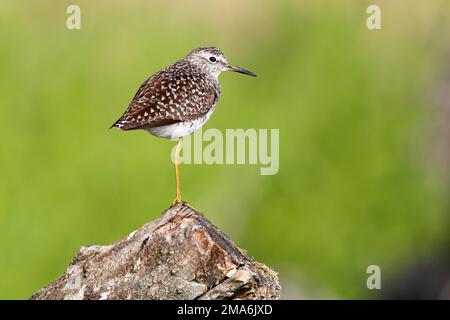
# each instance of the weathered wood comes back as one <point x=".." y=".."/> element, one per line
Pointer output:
<point x="181" y="255"/>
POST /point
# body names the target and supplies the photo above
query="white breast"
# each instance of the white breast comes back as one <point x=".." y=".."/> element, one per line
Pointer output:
<point x="180" y="129"/>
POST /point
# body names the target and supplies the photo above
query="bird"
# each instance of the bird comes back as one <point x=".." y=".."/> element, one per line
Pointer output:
<point x="179" y="99"/>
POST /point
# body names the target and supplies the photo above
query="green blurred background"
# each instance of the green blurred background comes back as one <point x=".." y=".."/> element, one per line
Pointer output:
<point x="363" y="147"/>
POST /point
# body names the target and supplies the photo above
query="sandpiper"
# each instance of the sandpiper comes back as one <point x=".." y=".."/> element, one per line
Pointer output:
<point x="179" y="99"/>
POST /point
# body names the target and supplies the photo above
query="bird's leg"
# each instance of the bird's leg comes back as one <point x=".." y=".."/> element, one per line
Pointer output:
<point x="177" y="172"/>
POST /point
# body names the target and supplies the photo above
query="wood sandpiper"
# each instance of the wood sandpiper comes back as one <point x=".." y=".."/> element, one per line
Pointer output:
<point x="179" y="99"/>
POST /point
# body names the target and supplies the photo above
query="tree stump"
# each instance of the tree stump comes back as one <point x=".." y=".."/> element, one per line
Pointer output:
<point x="181" y="255"/>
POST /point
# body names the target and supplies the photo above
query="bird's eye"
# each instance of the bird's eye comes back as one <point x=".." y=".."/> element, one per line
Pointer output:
<point x="212" y="59"/>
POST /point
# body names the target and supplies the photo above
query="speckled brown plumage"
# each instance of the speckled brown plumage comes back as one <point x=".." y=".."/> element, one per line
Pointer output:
<point x="180" y="98"/>
<point x="177" y="93"/>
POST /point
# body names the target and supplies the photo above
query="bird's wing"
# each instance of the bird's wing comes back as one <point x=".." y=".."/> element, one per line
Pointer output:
<point x="168" y="97"/>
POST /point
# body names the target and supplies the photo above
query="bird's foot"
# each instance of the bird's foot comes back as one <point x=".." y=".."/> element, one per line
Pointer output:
<point x="177" y="201"/>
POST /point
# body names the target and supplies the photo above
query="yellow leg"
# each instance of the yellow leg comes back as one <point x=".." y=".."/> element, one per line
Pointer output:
<point x="177" y="172"/>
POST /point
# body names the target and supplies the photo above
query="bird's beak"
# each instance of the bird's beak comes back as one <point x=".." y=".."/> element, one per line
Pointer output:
<point x="240" y="70"/>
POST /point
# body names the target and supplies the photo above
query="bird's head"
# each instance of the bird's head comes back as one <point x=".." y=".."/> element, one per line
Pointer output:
<point x="213" y="61"/>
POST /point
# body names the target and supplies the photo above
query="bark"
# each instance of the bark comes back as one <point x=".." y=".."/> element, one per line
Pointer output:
<point x="181" y="255"/>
